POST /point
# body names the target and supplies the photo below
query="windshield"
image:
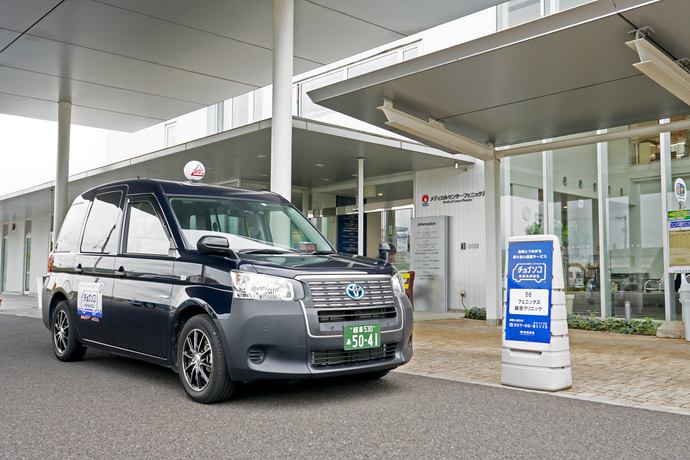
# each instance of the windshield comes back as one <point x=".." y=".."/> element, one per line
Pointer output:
<point x="249" y="226"/>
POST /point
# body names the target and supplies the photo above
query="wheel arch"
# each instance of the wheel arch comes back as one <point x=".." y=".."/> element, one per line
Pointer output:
<point x="190" y="308"/>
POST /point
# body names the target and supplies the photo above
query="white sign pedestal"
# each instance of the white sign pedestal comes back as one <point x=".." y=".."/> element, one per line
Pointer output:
<point x="527" y="363"/>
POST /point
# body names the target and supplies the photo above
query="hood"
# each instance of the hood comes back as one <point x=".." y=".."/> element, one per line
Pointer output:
<point x="292" y="265"/>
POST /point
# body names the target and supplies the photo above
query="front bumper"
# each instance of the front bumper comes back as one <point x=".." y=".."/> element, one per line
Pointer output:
<point x="279" y="333"/>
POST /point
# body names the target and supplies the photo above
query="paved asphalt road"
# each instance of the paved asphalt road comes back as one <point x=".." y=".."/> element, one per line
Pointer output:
<point x="112" y="407"/>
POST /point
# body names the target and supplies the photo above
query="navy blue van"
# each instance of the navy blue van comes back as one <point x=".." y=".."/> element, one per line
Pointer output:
<point x="222" y="285"/>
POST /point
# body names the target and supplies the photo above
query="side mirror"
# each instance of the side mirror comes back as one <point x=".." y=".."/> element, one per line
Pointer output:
<point x="385" y="250"/>
<point x="215" y="245"/>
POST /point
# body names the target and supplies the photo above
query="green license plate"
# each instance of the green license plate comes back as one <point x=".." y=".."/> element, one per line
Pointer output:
<point x="362" y="336"/>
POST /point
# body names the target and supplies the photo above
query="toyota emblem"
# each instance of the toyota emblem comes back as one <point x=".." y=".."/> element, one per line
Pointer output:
<point x="355" y="291"/>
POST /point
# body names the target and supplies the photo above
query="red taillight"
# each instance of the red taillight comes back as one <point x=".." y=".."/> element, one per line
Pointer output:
<point x="50" y="263"/>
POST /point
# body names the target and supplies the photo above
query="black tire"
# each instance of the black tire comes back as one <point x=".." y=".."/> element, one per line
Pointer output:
<point x="65" y="344"/>
<point x="201" y="362"/>
<point x="372" y="375"/>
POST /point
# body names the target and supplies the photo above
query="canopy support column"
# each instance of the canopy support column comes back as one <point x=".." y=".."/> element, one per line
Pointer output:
<point x="62" y="171"/>
<point x="360" y="206"/>
<point x="281" y="130"/>
<point x="492" y="225"/>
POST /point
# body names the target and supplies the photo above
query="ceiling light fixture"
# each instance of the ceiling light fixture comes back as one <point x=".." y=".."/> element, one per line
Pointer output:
<point x="434" y="131"/>
<point x="660" y="68"/>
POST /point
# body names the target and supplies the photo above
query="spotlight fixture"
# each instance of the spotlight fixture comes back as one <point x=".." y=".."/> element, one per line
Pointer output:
<point x="434" y="131"/>
<point x="660" y="68"/>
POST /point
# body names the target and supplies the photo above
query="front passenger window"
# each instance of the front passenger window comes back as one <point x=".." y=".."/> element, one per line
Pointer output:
<point x="146" y="233"/>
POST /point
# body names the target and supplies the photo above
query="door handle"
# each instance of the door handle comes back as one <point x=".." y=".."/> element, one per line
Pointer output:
<point x="121" y="272"/>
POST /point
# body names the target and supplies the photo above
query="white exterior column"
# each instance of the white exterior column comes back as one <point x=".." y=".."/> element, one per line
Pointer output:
<point x="667" y="194"/>
<point x="360" y="206"/>
<point x="604" y="254"/>
<point x="62" y="171"/>
<point x="281" y="131"/>
<point x="492" y="225"/>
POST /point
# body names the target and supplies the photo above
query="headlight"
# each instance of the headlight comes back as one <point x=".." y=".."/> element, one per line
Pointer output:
<point x="250" y="285"/>
<point x="398" y="284"/>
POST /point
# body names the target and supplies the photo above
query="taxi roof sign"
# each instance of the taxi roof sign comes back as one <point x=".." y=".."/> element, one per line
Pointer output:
<point x="194" y="171"/>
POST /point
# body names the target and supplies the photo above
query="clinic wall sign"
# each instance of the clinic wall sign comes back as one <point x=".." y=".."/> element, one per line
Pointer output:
<point x="452" y="198"/>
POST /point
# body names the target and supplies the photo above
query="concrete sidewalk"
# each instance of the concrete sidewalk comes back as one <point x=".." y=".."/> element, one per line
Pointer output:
<point x="631" y="370"/>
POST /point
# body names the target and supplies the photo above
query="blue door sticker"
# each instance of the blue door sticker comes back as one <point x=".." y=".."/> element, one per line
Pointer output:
<point x="528" y="313"/>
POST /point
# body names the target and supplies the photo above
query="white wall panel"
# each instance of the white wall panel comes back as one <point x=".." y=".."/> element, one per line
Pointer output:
<point x="467" y="267"/>
<point x="40" y="248"/>
<point x="15" y="257"/>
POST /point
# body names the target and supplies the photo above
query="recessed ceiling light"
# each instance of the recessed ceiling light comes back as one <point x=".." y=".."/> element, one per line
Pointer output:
<point x="380" y="194"/>
<point x="261" y="156"/>
<point x="326" y="180"/>
<point x="441" y="164"/>
<point x="264" y="175"/>
<point x="355" y="175"/>
<point x="319" y="164"/>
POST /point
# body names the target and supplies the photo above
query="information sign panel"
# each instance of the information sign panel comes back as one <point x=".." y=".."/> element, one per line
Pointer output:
<point x="528" y="316"/>
<point x="679" y="241"/>
<point x="429" y="260"/>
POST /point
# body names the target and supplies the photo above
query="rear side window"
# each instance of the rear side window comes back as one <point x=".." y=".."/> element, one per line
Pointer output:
<point x="71" y="226"/>
<point x="100" y="234"/>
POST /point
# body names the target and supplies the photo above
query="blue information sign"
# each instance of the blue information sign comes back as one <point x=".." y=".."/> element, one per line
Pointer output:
<point x="528" y="313"/>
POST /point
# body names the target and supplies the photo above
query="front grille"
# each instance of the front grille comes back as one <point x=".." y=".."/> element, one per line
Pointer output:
<point x="324" y="358"/>
<point x="333" y="293"/>
<point x="357" y="314"/>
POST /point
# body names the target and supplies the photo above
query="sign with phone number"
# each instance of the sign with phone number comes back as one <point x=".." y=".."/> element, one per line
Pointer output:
<point x="528" y="316"/>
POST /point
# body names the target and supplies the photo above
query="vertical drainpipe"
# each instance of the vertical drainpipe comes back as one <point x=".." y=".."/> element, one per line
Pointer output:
<point x="62" y="171"/>
<point x="281" y="130"/>
<point x="360" y="206"/>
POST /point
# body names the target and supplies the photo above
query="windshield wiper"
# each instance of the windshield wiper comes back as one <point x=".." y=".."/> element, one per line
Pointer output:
<point x="320" y="252"/>
<point x="265" y="251"/>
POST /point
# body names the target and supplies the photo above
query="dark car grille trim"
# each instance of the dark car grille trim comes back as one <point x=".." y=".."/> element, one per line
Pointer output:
<point x="327" y="358"/>
<point x="357" y="314"/>
<point x="312" y="336"/>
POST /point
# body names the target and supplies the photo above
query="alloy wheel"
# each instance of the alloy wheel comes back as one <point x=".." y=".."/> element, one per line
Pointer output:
<point x="61" y="331"/>
<point x="197" y="360"/>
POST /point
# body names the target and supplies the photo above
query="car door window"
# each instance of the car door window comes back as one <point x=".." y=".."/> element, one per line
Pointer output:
<point x="101" y="231"/>
<point x="146" y="232"/>
<point x="69" y="233"/>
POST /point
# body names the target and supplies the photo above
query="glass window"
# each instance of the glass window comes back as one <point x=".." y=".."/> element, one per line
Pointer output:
<point x="516" y="12"/>
<point x="100" y="234"/>
<point x="146" y="232"/>
<point x="574" y="219"/>
<point x="373" y="64"/>
<point x="170" y="134"/>
<point x="240" y="109"/>
<point x="307" y="107"/>
<point x="522" y="195"/>
<point x="71" y="227"/>
<point x="248" y="225"/>
<point x="634" y="229"/>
